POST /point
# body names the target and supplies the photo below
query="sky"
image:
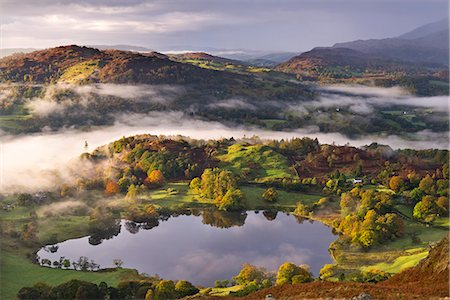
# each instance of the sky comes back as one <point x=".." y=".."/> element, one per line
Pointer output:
<point x="266" y="25"/>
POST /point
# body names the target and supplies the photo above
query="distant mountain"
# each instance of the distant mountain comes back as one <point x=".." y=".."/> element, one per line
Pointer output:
<point x="428" y="43"/>
<point x="340" y="63"/>
<point x="202" y="56"/>
<point x="426" y="29"/>
<point x="8" y="51"/>
<point x="121" y="47"/>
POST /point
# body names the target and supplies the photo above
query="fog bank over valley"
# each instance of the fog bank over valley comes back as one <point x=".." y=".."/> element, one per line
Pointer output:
<point x="39" y="161"/>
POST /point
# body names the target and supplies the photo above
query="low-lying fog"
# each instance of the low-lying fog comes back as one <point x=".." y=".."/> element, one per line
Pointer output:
<point x="31" y="160"/>
<point x="38" y="160"/>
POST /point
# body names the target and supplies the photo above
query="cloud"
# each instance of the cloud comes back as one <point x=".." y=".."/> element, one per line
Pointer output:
<point x="369" y="91"/>
<point x="233" y="104"/>
<point x="363" y="100"/>
<point x="68" y="207"/>
<point x="43" y="108"/>
<point x="58" y="98"/>
<point x="203" y="23"/>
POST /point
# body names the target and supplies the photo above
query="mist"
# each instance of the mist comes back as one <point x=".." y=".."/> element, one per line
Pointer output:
<point x="363" y="100"/>
<point x="41" y="161"/>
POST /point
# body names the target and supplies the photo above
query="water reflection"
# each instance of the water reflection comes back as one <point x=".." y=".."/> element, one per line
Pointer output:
<point x="182" y="247"/>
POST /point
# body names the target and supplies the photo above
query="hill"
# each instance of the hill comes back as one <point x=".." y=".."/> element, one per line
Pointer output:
<point x="428" y="280"/>
<point x="426" y="29"/>
<point x="75" y="64"/>
<point x="344" y="63"/>
<point x="202" y="56"/>
<point x="428" y="43"/>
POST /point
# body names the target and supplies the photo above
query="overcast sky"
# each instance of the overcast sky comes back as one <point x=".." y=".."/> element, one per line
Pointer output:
<point x="286" y="25"/>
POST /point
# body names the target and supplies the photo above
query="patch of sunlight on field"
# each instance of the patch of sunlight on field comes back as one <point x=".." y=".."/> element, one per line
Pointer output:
<point x="400" y="263"/>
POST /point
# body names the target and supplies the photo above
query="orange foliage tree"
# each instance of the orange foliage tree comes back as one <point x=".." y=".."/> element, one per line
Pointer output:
<point x="155" y="178"/>
<point x="111" y="187"/>
<point x="396" y="183"/>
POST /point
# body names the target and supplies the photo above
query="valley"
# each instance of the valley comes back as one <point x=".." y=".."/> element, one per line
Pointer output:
<point x="133" y="172"/>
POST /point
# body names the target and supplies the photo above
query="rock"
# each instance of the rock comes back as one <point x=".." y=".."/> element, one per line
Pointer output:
<point x="362" y="296"/>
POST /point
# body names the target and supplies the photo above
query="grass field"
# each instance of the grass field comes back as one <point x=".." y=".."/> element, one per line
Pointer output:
<point x="260" y="161"/>
<point x="17" y="272"/>
<point x="79" y="72"/>
<point x="253" y="197"/>
<point x="287" y="200"/>
<point x="221" y="292"/>
<point x="400" y="263"/>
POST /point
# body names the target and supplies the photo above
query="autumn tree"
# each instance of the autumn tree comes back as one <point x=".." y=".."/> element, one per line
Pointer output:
<point x="250" y="273"/>
<point x="165" y="290"/>
<point x="155" y="179"/>
<point x="427" y="184"/>
<point x="426" y="209"/>
<point x="270" y="195"/>
<point x="288" y="271"/>
<point x="111" y="187"/>
<point x="232" y="200"/>
<point x="396" y="183"/>
<point x="185" y="288"/>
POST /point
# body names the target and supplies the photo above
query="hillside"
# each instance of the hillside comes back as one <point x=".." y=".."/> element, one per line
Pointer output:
<point x="426" y="44"/>
<point x="429" y="279"/>
<point x="75" y="64"/>
<point x="342" y="63"/>
<point x="202" y="56"/>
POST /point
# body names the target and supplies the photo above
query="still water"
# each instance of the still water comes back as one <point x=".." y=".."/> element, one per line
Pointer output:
<point x="207" y="247"/>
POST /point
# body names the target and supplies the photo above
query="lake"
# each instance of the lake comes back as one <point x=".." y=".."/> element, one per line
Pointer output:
<point x="206" y="247"/>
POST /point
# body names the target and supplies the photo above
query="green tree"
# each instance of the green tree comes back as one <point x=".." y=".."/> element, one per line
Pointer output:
<point x="232" y="200"/>
<point x="270" y="195"/>
<point x="426" y="209"/>
<point x="288" y="270"/>
<point x="133" y="192"/>
<point x="249" y="274"/>
<point x="195" y="184"/>
<point x="302" y="210"/>
<point x="185" y="288"/>
<point x="165" y="290"/>
<point x="427" y="185"/>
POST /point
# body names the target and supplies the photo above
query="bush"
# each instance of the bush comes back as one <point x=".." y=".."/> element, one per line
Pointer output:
<point x="270" y="195"/>
<point x="288" y="271"/>
<point x="185" y="288"/>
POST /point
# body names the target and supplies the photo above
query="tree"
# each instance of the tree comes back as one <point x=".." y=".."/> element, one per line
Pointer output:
<point x="249" y="274"/>
<point x="427" y="184"/>
<point x="302" y="210"/>
<point x="270" y="195"/>
<point x="195" y="184"/>
<point x="185" y="288"/>
<point x="124" y="183"/>
<point x="28" y="293"/>
<point x="367" y="238"/>
<point x="165" y="289"/>
<point x="288" y="270"/>
<point x="396" y="183"/>
<point x="416" y="195"/>
<point x="24" y="199"/>
<point x="111" y="188"/>
<point x="118" y="262"/>
<point x="347" y="204"/>
<point x="149" y="295"/>
<point x="221" y="283"/>
<point x="155" y="178"/>
<point x="232" y="200"/>
<point x="426" y="209"/>
<point x="133" y="191"/>
<point x="442" y="204"/>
